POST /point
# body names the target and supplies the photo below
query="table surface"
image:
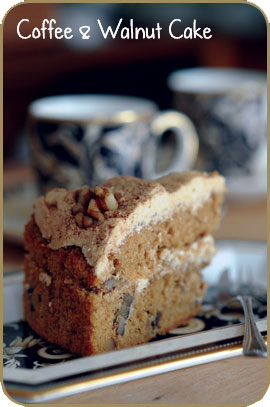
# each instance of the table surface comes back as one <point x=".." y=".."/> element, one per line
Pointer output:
<point x="230" y="381"/>
<point x="235" y="380"/>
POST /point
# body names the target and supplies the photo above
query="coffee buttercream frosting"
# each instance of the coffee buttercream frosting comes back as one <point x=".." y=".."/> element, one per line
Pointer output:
<point x="140" y="203"/>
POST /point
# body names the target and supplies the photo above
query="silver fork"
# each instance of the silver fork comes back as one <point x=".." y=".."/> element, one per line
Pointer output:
<point x="253" y="344"/>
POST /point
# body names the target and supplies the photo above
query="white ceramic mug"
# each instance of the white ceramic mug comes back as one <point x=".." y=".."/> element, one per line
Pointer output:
<point x="228" y="107"/>
<point x="78" y="139"/>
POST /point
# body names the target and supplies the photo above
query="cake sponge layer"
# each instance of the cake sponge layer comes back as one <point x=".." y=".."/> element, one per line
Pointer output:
<point x="120" y="313"/>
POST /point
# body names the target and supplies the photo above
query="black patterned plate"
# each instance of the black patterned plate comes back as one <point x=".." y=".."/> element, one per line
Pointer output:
<point x="36" y="370"/>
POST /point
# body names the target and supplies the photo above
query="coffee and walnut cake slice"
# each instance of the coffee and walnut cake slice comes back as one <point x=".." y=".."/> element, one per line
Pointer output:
<point x="115" y="265"/>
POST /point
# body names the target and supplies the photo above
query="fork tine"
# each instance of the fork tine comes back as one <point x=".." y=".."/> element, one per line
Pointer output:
<point x="243" y="287"/>
<point x="247" y="286"/>
<point x="224" y="287"/>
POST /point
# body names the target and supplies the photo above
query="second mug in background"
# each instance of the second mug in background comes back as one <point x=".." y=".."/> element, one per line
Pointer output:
<point x="228" y="107"/>
<point x="86" y="139"/>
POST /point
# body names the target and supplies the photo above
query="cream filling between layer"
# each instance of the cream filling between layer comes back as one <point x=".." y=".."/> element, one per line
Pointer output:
<point x="196" y="255"/>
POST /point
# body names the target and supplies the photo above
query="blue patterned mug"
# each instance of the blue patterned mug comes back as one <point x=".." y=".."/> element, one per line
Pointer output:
<point x="86" y="139"/>
<point x="228" y="108"/>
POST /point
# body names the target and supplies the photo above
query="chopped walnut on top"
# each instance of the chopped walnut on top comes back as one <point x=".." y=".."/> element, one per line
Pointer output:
<point x="52" y="196"/>
<point x="106" y="198"/>
<point x="94" y="211"/>
<point x="84" y="195"/>
<point x="91" y="205"/>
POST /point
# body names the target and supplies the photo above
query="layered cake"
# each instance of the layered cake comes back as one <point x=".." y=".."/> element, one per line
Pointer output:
<point x="113" y="266"/>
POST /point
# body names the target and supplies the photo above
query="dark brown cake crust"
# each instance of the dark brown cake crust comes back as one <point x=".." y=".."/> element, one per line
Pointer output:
<point x="64" y="322"/>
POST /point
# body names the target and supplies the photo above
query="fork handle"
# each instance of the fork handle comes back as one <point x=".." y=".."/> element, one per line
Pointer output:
<point x="254" y="344"/>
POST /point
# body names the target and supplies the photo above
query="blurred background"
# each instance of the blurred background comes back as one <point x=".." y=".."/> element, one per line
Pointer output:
<point x="37" y="68"/>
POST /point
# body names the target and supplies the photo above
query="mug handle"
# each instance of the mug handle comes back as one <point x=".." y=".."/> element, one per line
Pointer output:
<point x="187" y="141"/>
